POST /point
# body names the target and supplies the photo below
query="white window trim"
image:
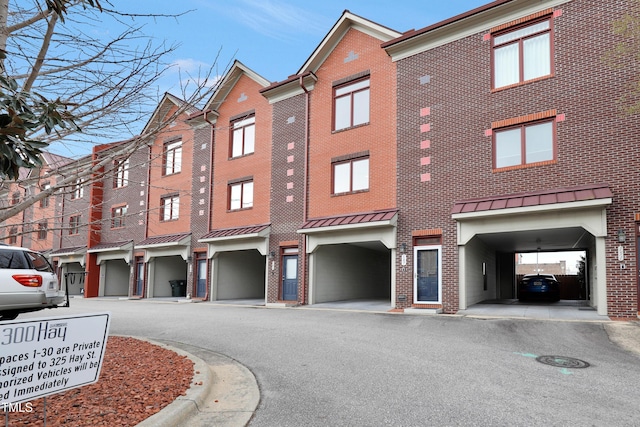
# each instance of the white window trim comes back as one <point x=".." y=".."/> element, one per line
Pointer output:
<point x="349" y="90"/>
<point x="243" y="125"/>
<point x="415" y="273"/>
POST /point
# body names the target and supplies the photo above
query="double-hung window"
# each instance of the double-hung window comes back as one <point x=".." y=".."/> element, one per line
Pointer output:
<point x="524" y="144"/>
<point x="44" y="203"/>
<point x="172" y="158"/>
<point x="13" y="236"/>
<point x="351" y="104"/>
<point x="118" y="215"/>
<point x="169" y="207"/>
<point x="121" y="177"/>
<point x="43" y="229"/>
<point x="241" y="195"/>
<point x="74" y="224"/>
<point x="78" y="190"/>
<point x="522" y="54"/>
<point x="351" y="175"/>
<point x="243" y="137"/>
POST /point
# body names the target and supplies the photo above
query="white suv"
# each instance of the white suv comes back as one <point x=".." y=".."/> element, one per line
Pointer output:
<point x="27" y="282"/>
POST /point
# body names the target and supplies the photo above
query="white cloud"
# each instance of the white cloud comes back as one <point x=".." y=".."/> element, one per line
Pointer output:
<point x="189" y="65"/>
<point x="277" y="19"/>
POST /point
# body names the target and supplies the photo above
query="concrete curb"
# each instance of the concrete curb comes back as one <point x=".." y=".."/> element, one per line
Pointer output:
<point x="223" y="393"/>
<point x="187" y="406"/>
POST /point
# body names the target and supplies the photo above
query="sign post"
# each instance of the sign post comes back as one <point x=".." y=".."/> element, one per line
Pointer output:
<point x="40" y="357"/>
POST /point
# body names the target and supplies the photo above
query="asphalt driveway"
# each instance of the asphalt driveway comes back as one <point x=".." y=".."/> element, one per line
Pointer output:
<point x="336" y="367"/>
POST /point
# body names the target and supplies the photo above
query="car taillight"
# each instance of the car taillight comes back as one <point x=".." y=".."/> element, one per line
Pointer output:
<point x="30" y="280"/>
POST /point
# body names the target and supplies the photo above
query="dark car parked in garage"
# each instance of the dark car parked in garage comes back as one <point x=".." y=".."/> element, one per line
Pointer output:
<point x="539" y="287"/>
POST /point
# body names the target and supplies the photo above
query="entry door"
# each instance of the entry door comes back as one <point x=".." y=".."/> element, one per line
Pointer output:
<point x="139" y="277"/>
<point x="290" y="277"/>
<point x="201" y="274"/>
<point x="427" y="275"/>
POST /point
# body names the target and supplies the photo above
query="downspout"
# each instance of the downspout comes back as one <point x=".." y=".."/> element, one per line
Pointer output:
<point x="145" y="266"/>
<point x="146" y="221"/>
<point x="305" y="279"/>
<point x="211" y="158"/>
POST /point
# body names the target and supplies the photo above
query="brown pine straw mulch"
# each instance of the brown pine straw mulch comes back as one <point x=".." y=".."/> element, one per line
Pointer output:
<point x="137" y="380"/>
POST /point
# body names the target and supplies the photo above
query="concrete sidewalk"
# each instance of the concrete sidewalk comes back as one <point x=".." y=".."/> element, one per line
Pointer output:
<point x="223" y="393"/>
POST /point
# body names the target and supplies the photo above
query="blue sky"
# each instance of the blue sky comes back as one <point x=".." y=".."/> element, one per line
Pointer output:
<point x="273" y="37"/>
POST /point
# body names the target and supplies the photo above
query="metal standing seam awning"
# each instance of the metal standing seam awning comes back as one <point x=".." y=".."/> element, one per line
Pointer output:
<point x="581" y="206"/>
<point x="555" y="219"/>
<point x="114" y="250"/>
<point x="352" y="228"/>
<point x="70" y="255"/>
<point x="166" y="245"/>
<point x="237" y="239"/>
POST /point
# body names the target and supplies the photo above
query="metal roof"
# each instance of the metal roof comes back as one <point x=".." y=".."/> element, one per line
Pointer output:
<point x="360" y="218"/>
<point x="547" y="197"/>
<point x="167" y="239"/>
<point x="238" y="231"/>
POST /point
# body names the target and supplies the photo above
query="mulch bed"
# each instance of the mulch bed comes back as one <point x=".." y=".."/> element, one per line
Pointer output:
<point x="137" y="380"/>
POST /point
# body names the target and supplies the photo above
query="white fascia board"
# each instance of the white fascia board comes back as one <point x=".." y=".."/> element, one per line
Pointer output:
<point x="287" y="91"/>
<point x="186" y="241"/>
<point x="534" y="209"/>
<point x="229" y="81"/>
<point x="472" y="25"/>
<point x="331" y="40"/>
<point x="125" y="247"/>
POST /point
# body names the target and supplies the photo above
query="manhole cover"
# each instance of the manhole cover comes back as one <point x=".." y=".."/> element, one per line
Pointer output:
<point x="562" y="361"/>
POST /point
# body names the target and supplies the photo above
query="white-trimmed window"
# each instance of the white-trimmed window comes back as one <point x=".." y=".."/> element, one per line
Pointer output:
<point x="78" y="190"/>
<point x="525" y="144"/>
<point x="169" y="207"/>
<point x="241" y="195"/>
<point x="172" y="158"/>
<point x="522" y="54"/>
<point x="118" y="215"/>
<point x="427" y="284"/>
<point x="121" y="177"/>
<point x="243" y="137"/>
<point x="351" y="175"/>
<point x="74" y="224"/>
<point x="351" y="104"/>
<point x="44" y="203"/>
<point x="43" y="230"/>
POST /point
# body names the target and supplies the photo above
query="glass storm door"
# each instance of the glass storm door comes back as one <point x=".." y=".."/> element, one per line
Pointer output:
<point x="139" y="277"/>
<point x="427" y="275"/>
<point x="201" y="274"/>
<point x="290" y="277"/>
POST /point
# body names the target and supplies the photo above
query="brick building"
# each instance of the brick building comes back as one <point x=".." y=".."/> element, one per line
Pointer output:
<point x="408" y="168"/>
<point x="511" y="137"/>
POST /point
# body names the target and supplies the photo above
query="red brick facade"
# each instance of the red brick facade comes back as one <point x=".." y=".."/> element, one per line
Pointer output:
<point x="430" y="139"/>
<point x="595" y="139"/>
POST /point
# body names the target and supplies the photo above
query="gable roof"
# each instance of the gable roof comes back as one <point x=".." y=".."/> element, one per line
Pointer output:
<point x="167" y="103"/>
<point x="347" y="21"/>
<point x="237" y="70"/>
